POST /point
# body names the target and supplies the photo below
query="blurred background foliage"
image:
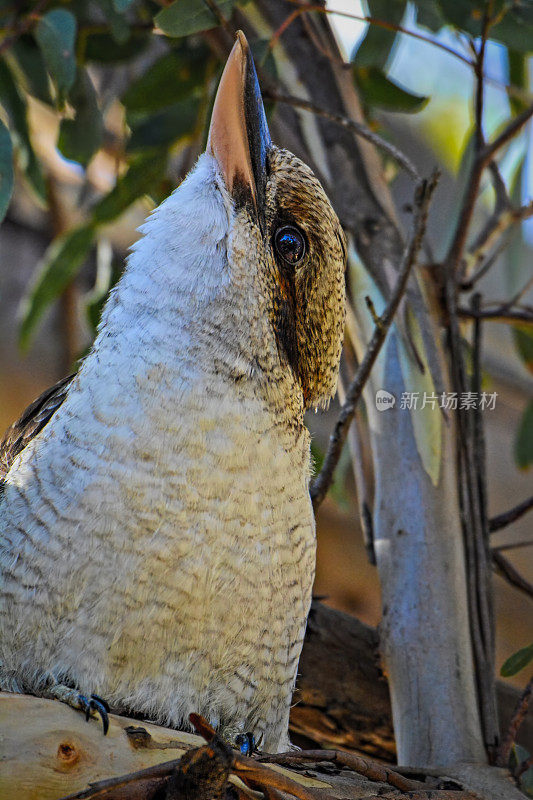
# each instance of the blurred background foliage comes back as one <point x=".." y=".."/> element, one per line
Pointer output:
<point x="104" y="106"/>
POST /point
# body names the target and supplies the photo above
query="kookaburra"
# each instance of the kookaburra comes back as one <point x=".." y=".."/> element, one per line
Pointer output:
<point x="157" y="540"/>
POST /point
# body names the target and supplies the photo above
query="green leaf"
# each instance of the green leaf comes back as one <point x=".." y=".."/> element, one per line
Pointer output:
<point x="517" y="661"/>
<point x="31" y="63"/>
<point x="118" y="24"/>
<point x="61" y="262"/>
<point x="524" y="439"/>
<point x="185" y="17"/>
<point x="517" y="34"/>
<point x="375" y="48"/>
<point x="429" y="15"/>
<point x="140" y="179"/>
<point x="378" y="90"/>
<point x="6" y="170"/>
<point x="14" y="104"/>
<point x="517" y="76"/>
<point x="103" y="48"/>
<point x="467" y="15"/>
<point x="56" y="35"/>
<point x="80" y="138"/>
<point x="523" y="339"/>
<point x="166" y="127"/>
<point x="172" y="78"/>
<point x="264" y="57"/>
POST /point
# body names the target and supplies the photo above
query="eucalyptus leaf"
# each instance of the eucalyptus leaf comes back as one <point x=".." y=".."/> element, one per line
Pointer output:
<point x="170" y="79"/>
<point x="31" y="63"/>
<point x="517" y="67"/>
<point x="104" y="49"/>
<point x="429" y="15"/>
<point x="81" y="137"/>
<point x="142" y="175"/>
<point x="165" y="127"/>
<point x="185" y="17"/>
<point x="62" y="261"/>
<point x="517" y="661"/>
<point x="6" y="169"/>
<point x="118" y="24"/>
<point x="56" y="35"/>
<point x="375" y="48"/>
<point x="515" y="33"/>
<point x="14" y="104"/>
<point x="524" y="439"/>
<point x="466" y="15"/>
<point x="523" y="338"/>
<point x="378" y="90"/>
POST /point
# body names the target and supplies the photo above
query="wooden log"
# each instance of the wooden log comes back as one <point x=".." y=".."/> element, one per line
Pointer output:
<point x="48" y="752"/>
<point x="343" y="697"/>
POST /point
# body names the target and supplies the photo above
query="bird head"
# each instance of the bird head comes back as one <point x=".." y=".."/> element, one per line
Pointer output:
<point x="280" y="203"/>
<point x="252" y="233"/>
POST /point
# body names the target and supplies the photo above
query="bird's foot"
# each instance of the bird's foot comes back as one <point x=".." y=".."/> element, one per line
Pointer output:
<point x="92" y="706"/>
<point x="246" y="744"/>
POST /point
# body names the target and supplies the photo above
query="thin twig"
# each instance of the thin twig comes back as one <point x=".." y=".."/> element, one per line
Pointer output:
<point x="518" y="717"/>
<point x="345" y="122"/>
<point x="370" y="769"/>
<point x="513" y="545"/>
<point x="499" y="223"/>
<point x="511" y="574"/>
<point x="380" y="23"/>
<point x="505" y="519"/>
<point x="506" y="135"/>
<point x="322" y="482"/>
<point x="498" y="315"/>
<point x="24" y="25"/>
<point x="250" y="771"/>
<point x="526" y="764"/>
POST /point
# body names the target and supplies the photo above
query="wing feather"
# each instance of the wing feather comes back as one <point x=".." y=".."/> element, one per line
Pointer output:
<point x="32" y="421"/>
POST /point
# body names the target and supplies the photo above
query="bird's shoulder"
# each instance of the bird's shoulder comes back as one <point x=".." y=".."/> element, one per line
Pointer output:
<point x="32" y="421"/>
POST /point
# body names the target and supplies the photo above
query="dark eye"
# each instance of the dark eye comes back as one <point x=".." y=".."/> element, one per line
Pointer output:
<point x="290" y="244"/>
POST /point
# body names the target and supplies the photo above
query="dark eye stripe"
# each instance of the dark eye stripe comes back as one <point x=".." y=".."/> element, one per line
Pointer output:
<point x="289" y="243"/>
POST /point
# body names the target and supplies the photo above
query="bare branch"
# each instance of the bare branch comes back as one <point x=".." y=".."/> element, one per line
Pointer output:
<point x="380" y="23"/>
<point x="502" y="520"/>
<point x="357" y="127"/>
<point x="364" y="766"/>
<point x="513" y="545"/>
<point x="518" y="717"/>
<point x="506" y="135"/>
<point x="524" y="766"/>
<point x="322" y="482"/>
<point x="499" y="223"/>
<point x="523" y="317"/>
<point x="23" y="25"/>
<point x="511" y="574"/>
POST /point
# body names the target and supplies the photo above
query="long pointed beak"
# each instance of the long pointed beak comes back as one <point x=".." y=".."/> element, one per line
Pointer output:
<point x="238" y="136"/>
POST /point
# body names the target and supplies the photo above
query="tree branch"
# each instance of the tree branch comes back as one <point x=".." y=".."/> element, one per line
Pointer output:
<point x="502" y="520"/>
<point x="511" y="574"/>
<point x="345" y="122"/>
<point x="506" y="135"/>
<point x="322" y="482"/>
<point x="518" y="717"/>
<point x="478" y="255"/>
<point x="523" y="317"/>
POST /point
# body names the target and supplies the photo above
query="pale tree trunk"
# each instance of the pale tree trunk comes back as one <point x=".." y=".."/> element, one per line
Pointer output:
<point x="426" y="636"/>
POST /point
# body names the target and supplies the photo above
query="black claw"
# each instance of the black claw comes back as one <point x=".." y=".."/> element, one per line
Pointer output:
<point x="102" y="702"/>
<point x="95" y="703"/>
<point x="246" y="743"/>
